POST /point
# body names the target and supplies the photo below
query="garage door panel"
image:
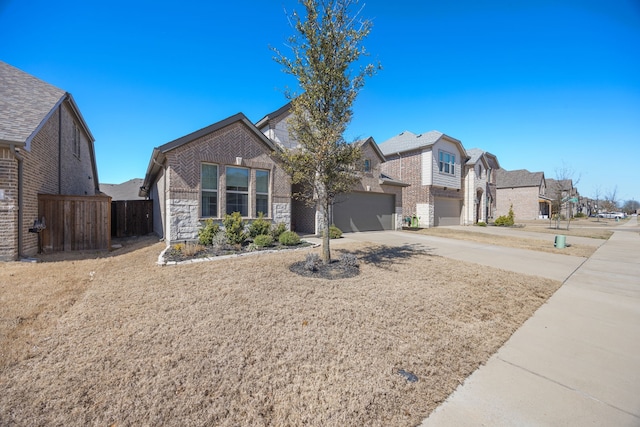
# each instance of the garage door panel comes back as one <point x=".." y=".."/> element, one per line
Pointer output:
<point x="447" y="212"/>
<point x="364" y="212"/>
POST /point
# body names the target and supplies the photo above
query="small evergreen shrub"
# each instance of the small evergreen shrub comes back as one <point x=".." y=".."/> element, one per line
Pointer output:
<point x="289" y="238"/>
<point x="263" y="240"/>
<point x="259" y="226"/>
<point x="207" y="232"/>
<point x="312" y="262"/>
<point x="481" y="224"/>
<point x="580" y="215"/>
<point x="234" y="227"/>
<point x="506" y="220"/>
<point x="278" y="229"/>
<point x="334" y="232"/>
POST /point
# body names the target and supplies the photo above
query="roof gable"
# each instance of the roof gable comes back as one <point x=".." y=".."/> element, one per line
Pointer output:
<point x="26" y="102"/>
<point x="371" y="143"/>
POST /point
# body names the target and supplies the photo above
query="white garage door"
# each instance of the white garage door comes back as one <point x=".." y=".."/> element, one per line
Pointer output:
<point x="364" y="212"/>
<point x="447" y="212"/>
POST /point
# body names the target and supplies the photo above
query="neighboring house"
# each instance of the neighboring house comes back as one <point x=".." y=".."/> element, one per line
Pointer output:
<point x="223" y="168"/>
<point x="560" y="193"/>
<point x="46" y="148"/>
<point x="374" y="204"/>
<point x="479" y="186"/>
<point x="432" y="163"/>
<point x="523" y="191"/>
<point x="129" y="190"/>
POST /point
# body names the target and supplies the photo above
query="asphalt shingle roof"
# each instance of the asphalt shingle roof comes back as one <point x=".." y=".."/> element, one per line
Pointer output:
<point x="518" y="178"/>
<point x="408" y="141"/>
<point x="25" y="102"/>
<point x="126" y="191"/>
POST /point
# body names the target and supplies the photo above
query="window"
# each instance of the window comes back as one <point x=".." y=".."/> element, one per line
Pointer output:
<point x="209" y="190"/>
<point x="76" y="141"/>
<point x="238" y="191"/>
<point x="447" y="163"/>
<point x="262" y="192"/>
<point x="367" y="165"/>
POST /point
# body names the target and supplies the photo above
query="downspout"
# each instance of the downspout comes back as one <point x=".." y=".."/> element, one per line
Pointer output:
<point x="60" y="149"/>
<point x="18" y="156"/>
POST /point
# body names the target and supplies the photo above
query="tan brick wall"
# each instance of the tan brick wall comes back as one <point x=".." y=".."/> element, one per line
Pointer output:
<point x="524" y="201"/>
<point x="8" y="205"/>
<point x="407" y="168"/>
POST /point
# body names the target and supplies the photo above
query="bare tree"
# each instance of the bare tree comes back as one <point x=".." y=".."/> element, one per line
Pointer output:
<point x="564" y="194"/>
<point x="610" y="202"/>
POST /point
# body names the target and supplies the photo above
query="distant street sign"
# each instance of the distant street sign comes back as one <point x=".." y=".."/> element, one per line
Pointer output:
<point x="573" y="200"/>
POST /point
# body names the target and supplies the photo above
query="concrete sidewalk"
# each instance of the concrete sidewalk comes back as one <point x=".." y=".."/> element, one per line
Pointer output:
<point x="575" y="362"/>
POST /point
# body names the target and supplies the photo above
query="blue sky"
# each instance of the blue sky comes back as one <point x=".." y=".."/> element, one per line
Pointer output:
<point x="545" y="85"/>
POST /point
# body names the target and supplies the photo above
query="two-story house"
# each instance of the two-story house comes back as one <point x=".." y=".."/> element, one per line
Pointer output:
<point x="480" y="186"/>
<point x="524" y="192"/>
<point x="432" y="164"/>
<point x="46" y="148"/>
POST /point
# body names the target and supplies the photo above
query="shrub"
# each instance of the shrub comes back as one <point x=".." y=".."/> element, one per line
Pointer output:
<point x="206" y="233"/>
<point x="278" y="229"/>
<point x="506" y="220"/>
<point x="312" y="261"/>
<point x="349" y="260"/>
<point x="263" y="240"/>
<point x="481" y="224"/>
<point x="259" y="226"/>
<point x="234" y="228"/>
<point x="334" y="232"/>
<point x="289" y="238"/>
<point x="580" y="215"/>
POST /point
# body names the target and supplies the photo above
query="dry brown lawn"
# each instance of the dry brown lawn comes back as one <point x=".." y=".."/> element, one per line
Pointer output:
<point x="509" y="241"/>
<point x="118" y="340"/>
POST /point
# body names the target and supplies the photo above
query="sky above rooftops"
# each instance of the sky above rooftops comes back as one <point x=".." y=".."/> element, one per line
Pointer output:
<point x="544" y="85"/>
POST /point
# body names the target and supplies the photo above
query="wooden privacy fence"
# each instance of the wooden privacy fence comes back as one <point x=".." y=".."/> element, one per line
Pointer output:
<point x="75" y="222"/>
<point x="131" y="218"/>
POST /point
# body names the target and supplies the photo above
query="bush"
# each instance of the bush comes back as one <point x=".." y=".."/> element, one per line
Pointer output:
<point x="580" y="215"/>
<point x="334" y="232"/>
<point x="289" y="238"/>
<point x="263" y="240"/>
<point x="349" y="260"/>
<point x="312" y="262"/>
<point x="259" y="226"/>
<point x="481" y="224"/>
<point x="506" y="220"/>
<point x="278" y="229"/>
<point x="207" y="232"/>
<point x="234" y="228"/>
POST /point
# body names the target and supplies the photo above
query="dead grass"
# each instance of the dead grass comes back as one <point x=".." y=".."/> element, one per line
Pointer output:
<point x="509" y="241"/>
<point x="120" y="341"/>
<point x="592" y="228"/>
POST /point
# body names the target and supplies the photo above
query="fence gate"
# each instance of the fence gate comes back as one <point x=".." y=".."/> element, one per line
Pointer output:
<point x="131" y="218"/>
<point x="75" y="223"/>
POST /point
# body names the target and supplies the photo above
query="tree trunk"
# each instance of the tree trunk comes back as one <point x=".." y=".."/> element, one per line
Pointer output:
<point x="326" y="251"/>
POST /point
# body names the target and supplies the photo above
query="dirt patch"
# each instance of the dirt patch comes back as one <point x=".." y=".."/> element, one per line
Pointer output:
<point x="246" y="341"/>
